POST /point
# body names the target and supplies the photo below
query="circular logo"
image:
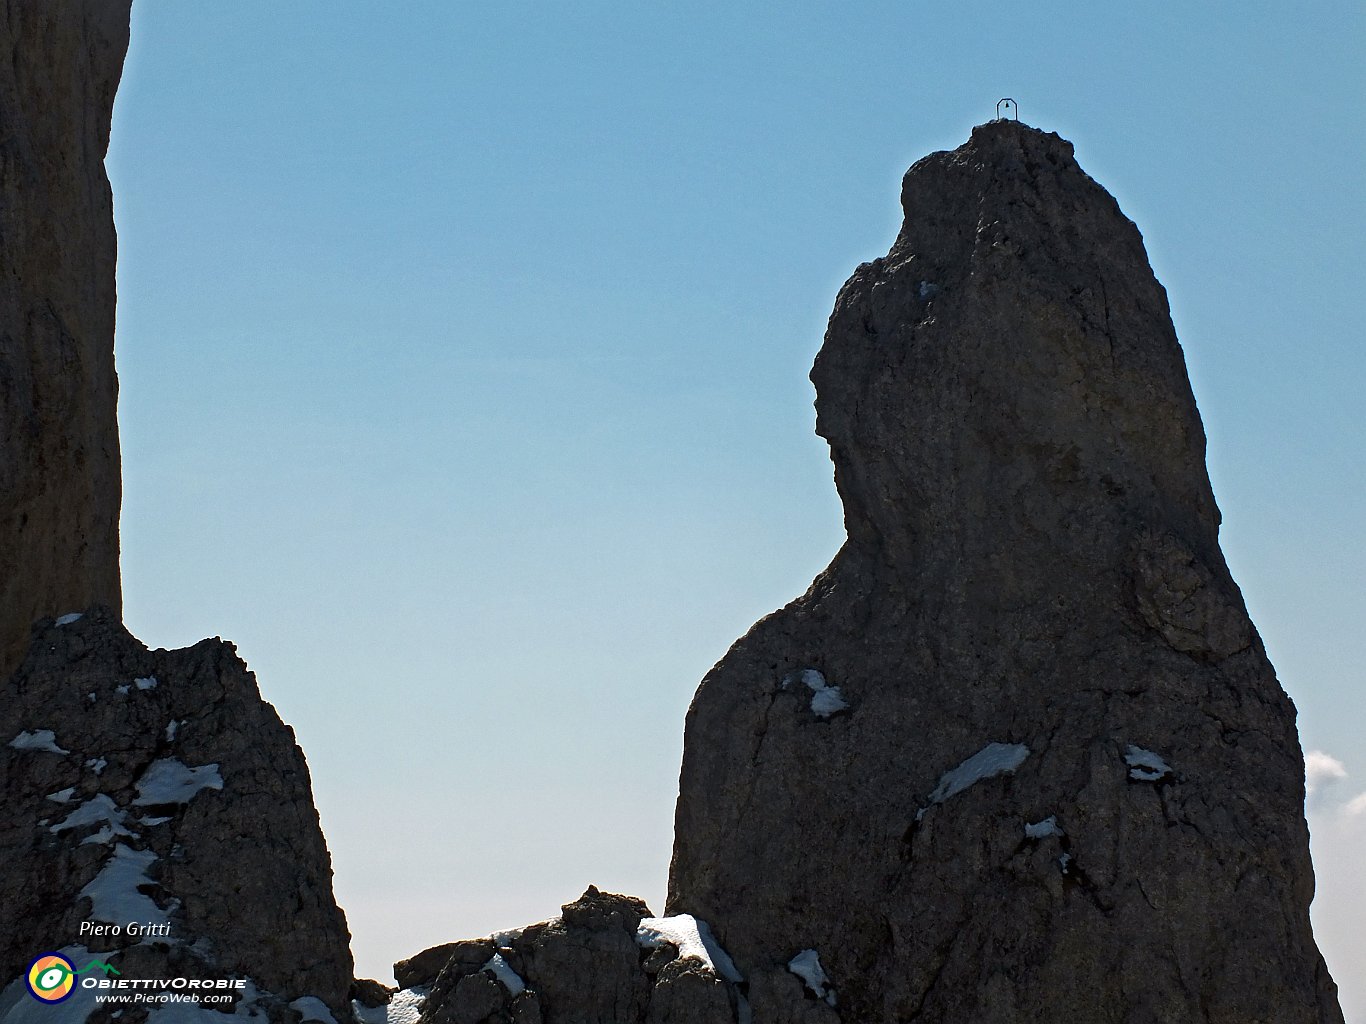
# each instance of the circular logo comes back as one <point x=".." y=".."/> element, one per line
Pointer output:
<point x="51" y="978"/>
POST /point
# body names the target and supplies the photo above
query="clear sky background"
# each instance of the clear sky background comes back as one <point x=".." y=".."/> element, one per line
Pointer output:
<point x="463" y="352"/>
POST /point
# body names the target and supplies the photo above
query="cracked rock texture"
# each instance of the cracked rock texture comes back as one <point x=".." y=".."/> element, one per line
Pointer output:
<point x="1033" y="562"/>
<point x="588" y="967"/>
<point x="59" y="449"/>
<point x="112" y="754"/>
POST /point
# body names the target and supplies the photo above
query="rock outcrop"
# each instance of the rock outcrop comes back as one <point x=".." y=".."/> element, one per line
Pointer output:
<point x="157" y="789"/>
<point x="605" y="960"/>
<point x="59" y="452"/>
<point x="1018" y="754"/>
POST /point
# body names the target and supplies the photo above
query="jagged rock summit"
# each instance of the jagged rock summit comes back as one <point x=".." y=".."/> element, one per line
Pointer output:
<point x="59" y="446"/>
<point x="157" y="815"/>
<point x="1018" y="754"/>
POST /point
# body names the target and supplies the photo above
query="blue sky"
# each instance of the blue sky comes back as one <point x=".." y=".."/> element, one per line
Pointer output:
<point x="463" y="354"/>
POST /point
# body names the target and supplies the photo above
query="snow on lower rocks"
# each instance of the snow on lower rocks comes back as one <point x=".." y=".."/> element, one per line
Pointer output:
<point x="692" y="937"/>
<point x="253" y="1005"/>
<point x="404" y="1007"/>
<point x="311" y="1008"/>
<point x="586" y="964"/>
<point x="17" y="1006"/>
<point x="250" y="1007"/>
<point x="187" y="802"/>
<point x="115" y="893"/>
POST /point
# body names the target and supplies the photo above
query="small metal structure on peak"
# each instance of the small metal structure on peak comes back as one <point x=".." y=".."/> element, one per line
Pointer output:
<point x="1011" y="107"/>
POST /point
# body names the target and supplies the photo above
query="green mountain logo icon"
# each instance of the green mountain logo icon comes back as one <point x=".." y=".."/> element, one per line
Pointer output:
<point x="108" y="969"/>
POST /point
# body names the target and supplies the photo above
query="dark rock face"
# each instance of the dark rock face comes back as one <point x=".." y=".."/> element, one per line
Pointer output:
<point x="1018" y="754"/>
<point x="157" y="787"/>
<point x="605" y="960"/>
<point x="59" y="452"/>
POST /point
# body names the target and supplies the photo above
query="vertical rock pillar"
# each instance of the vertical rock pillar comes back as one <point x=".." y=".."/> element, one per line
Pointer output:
<point x="1018" y="754"/>
<point x="59" y="449"/>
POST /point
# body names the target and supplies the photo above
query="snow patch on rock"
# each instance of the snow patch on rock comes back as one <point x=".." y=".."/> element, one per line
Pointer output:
<point x="826" y="700"/>
<point x="113" y="893"/>
<point x="992" y="760"/>
<point x="169" y="781"/>
<point x="1146" y="766"/>
<point x="506" y="976"/>
<point x="807" y="966"/>
<point x="1043" y="829"/>
<point x="311" y="1008"/>
<point x="693" y="939"/>
<point x="99" y="810"/>
<point x="404" y="1007"/>
<point x="39" y="739"/>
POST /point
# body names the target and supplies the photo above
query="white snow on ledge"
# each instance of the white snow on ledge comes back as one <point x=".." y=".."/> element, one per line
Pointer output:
<point x="68" y="618"/>
<point x="992" y="760"/>
<point x="807" y="966"/>
<point x="1043" y="829"/>
<point x="693" y="939"/>
<point x="826" y="700"/>
<point x="168" y="781"/>
<point x="404" y="1007"/>
<point x="114" y="894"/>
<point x="507" y="977"/>
<point x="505" y="938"/>
<point x="39" y="739"/>
<point x="311" y="1008"/>
<point x="100" y="810"/>
<point x="1146" y="766"/>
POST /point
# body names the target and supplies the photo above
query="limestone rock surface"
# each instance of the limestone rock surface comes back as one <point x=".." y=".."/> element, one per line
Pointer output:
<point x="59" y="452"/>
<point x="158" y="788"/>
<point x="604" y="960"/>
<point x="1018" y="754"/>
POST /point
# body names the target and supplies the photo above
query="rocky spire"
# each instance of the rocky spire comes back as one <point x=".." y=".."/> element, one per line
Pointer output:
<point x="1018" y="754"/>
<point x="59" y="449"/>
<point x="157" y="814"/>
